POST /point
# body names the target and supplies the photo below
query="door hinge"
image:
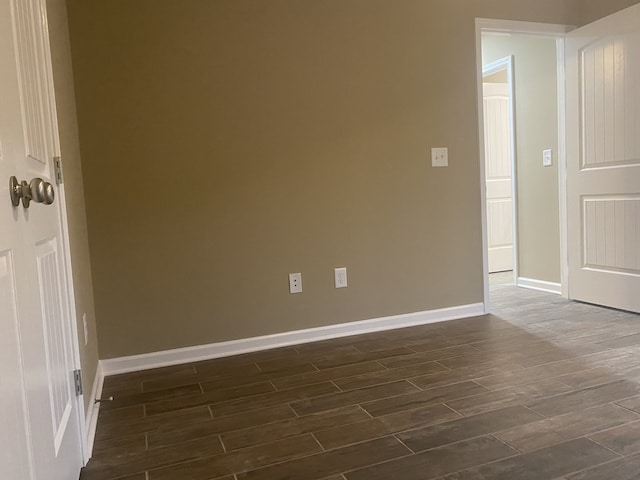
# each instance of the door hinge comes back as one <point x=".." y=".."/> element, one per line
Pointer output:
<point x="57" y="162"/>
<point x="77" y="380"/>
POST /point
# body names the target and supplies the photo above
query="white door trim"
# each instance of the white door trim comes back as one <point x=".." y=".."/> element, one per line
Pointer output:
<point x="506" y="63"/>
<point x="539" y="29"/>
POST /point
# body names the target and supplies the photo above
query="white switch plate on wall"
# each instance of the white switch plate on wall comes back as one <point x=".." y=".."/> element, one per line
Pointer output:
<point x="440" y="157"/>
<point x="547" y="158"/>
<point x="295" y="283"/>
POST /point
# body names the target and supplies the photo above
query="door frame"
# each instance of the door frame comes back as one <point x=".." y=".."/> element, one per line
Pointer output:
<point x="506" y="63"/>
<point x="486" y="25"/>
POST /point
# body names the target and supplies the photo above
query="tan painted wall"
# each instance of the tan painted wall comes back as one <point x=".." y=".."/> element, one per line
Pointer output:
<point x="535" y="71"/>
<point x="226" y="143"/>
<point x="70" y="151"/>
<point x="591" y="10"/>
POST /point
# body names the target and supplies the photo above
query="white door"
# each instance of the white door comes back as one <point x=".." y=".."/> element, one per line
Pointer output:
<point x="603" y="161"/>
<point x="40" y="422"/>
<point x="497" y="145"/>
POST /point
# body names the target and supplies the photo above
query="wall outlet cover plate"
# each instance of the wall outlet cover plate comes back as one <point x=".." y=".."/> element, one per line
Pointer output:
<point x="440" y="157"/>
<point x="340" y="277"/>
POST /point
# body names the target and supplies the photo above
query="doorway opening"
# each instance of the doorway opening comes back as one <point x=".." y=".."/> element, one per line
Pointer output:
<point x="521" y="116"/>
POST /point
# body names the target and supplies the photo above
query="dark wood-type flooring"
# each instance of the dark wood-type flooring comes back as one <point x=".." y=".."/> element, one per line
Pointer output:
<point x="544" y="389"/>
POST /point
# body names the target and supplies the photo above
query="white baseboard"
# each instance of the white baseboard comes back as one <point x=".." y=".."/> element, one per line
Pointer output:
<point x="541" y="285"/>
<point x="91" y="420"/>
<point x="177" y="356"/>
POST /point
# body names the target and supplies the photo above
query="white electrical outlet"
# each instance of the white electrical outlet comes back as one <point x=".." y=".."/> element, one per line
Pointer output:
<point x="440" y="157"/>
<point x="85" y="328"/>
<point x="340" y="277"/>
<point x="295" y="283"/>
<point x="547" y="158"/>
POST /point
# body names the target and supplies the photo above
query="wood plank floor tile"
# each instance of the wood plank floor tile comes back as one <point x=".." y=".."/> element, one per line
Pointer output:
<point x="545" y="464"/>
<point x="139" y="476"/>
<point x="154" y="422"/>
<point x="467" y="427"/>
<point x="624" y="341"/>
<point x="196" y="377"/>
<point x="332" y="462"/>
<point x="326" y="375"/>
<point x="223" y="381"/>
<point x="485" y="402"/>
<point x="439" y="343"/>
<point x="462" y="374"/>
<point x="114" y="466"/>
<point x="352" y="397"/>
<point x="112" y="447"/>
<point x="476" y="358"/>
<point x="218" y="365"/>
<point x="632" y="403"/>
<point x="627" y="468"/>
<point x="240" y="460"/>
<point x="609" y="357"/>
<point x="589" y="378"/>
<point x="207" y="398"/>
<point x="124" y="414"/>
<point x="437" y="462"/>
<point x="342" y="360"/>
<point x="532" y="374"/>
<point x="387" y="376"/>
<point x="120" y="401"/>
<point x="114" y="384"/>
<point x="544" y="433"/>
<point x="309" y="357"/>
<point x="170" y="435"/>
<point x="319" y="390"/>
<point x="588" y="397"/>
<point x="429" y="356"/>
<point x="344" y="417"/>
<point x="624" y="439"/>
<point x="341" y="435"/>
<point x="546" y="357"/>
<point x="423" y="398"/>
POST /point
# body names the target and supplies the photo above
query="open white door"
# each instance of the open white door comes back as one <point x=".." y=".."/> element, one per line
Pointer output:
<point x="41" y="437"/>
<point x="497" y="146"/>
<point x="603" y="160"/>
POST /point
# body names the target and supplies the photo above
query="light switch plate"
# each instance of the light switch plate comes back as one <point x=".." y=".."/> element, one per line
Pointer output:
<point x="547" y="158"/>
<point x="440" y="157"/>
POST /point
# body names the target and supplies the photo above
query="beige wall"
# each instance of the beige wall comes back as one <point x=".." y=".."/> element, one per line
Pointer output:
<point x="227" y="143"/>
<point x="536" y="112"/>
<point x="70" y="151"/>
<point x="590" y="10"/>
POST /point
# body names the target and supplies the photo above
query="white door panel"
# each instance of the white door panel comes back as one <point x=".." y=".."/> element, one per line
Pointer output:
<point x="32" y="275"/>
<point x="497" y="127"/>
<point x="14" y="443"/>
<point x="603" y="161"/>
<point x="499" y="188"/>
